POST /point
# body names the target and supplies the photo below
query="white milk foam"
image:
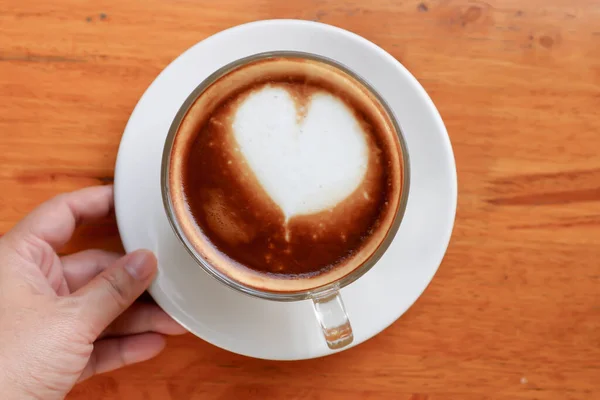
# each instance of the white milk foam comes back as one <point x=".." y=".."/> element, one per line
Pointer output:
<point x="306" y="165"/>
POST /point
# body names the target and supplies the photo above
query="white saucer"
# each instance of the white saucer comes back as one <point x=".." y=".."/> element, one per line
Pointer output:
<point x="261" y="328"/>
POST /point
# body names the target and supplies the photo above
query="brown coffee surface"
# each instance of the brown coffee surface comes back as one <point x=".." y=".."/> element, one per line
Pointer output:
<point x="233" y="222"/>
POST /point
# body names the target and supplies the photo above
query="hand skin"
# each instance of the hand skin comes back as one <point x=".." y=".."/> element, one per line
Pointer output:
<point x="65" y="319"/>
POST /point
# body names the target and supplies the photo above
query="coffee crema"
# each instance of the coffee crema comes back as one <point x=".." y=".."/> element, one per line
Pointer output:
<point x="286" y="174"/>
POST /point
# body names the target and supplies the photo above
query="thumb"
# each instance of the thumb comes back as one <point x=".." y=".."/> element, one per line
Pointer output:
<point x="106" y="296"/>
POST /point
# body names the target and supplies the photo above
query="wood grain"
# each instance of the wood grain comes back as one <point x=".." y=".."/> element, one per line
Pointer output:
<point x="514" y="312"/>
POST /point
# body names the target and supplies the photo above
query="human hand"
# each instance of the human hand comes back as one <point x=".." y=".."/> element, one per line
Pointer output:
<point x="64" y="319"/>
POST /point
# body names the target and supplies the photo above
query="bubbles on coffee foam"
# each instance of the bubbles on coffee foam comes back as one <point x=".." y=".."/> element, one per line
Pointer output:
<point x="308" y="157"/>
<point x="225" y="221"/>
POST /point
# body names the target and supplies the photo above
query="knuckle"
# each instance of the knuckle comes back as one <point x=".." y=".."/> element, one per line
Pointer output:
<point x="57" y="201"/>
<point x="64" y="201"/>
<point x="59" y="198"/>
<point x="114" y="287"/>
<point x="35" y="250"/>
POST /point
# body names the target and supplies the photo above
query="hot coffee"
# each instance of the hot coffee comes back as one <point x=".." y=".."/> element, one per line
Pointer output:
<point x="286" y="174"/>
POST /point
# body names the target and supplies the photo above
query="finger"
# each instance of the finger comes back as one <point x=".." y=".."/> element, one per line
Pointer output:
<point x="106" y="296"/>
<point x="141" y="318"/>
<point x="114" y="353"/>
<point x="55" y="220"/>
<point x="82" y="267"/>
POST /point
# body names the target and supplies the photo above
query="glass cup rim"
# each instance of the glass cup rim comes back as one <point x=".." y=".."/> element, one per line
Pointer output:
<point x="222" y="277"/>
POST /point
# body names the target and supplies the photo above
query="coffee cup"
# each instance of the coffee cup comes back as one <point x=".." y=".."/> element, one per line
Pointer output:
<point x="285" y="176"/>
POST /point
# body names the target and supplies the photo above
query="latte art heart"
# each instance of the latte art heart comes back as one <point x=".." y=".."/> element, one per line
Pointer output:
<point x="307" y="157"/>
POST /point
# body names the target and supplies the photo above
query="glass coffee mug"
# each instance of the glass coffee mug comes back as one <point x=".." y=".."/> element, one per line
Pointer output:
<point x="328" y="305"/>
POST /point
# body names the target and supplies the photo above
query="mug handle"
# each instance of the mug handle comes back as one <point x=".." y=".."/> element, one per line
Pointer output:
<point x="333" y="319"/>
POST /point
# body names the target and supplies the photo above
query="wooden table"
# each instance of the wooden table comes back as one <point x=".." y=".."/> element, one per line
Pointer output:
<point x="514" y="311"/>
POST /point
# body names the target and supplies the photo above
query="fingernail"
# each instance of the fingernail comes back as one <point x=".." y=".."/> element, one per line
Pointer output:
<point x="140" y="264"/>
